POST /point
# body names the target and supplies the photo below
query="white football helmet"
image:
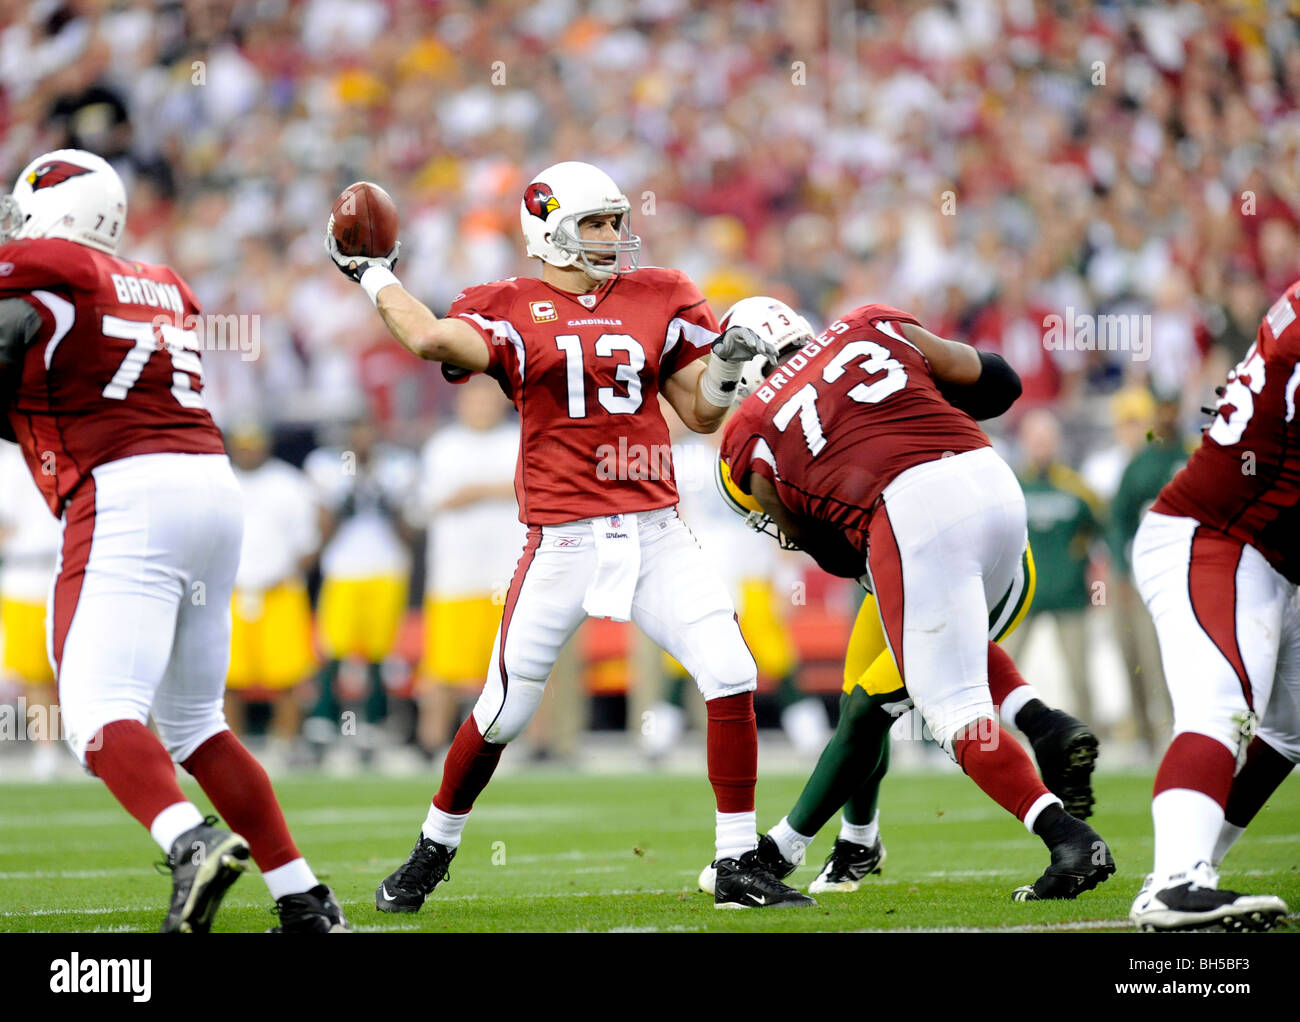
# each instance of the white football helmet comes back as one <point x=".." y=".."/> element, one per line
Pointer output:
<point x="557" y="200"/>
<point x="68" y="193"/>
<point x="770" y="319"/>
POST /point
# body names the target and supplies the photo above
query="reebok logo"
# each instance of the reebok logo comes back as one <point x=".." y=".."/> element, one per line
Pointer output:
<point x="102" y="976"/>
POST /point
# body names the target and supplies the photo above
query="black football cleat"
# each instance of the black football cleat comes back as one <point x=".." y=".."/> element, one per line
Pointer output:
<point x="768" y="853"/>
<point x="405" y="889"/>
<point x="314" y="911"/>
<point x="204" y="862"/>
<point x="848" y="865"/>
<point x="1066" y="752"/>
<point x="747" y="883"/>
<point x="1080" y="861"/>
<point x="1192" y="901"/>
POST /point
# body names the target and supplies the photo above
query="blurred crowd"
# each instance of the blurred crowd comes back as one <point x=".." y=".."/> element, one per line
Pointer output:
<point x="982" y="163"/>
<point x="985" y="164"/>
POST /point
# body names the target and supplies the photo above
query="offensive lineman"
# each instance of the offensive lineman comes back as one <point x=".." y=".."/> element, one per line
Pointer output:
<point x="1217" y="560"/>
<point x="854" y="762"/>
<point x="101" y="386"/>
<point x="857" y="455"/>
<point x="584" y="352"/>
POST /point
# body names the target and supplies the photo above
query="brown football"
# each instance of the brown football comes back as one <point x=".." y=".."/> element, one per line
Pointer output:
<point x="365" y="220"/>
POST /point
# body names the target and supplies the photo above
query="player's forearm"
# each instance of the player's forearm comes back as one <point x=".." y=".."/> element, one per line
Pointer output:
<point x="708" y="416"/>
<point x="411" y="322"/>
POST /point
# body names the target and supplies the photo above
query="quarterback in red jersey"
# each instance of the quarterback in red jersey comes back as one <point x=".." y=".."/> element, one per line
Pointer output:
<point x="1217" y="560"/>
<point x="863" y="449"/>
<point x="585" y="352"/>
<point x="102" y="386"/>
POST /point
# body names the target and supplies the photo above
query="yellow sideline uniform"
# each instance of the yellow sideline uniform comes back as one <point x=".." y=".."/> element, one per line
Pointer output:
<point x="360" y="616"/>
<point x="270" y="640"/>
<point x="458" y="637"/>
<point x="25" y="655"/>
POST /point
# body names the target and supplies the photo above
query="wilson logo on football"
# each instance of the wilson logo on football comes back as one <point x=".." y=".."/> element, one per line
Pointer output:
<point x="539" y="200"/>
<point x="543" y="312"/>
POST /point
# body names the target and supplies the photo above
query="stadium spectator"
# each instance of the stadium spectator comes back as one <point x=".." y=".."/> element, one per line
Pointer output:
<point x="1064" y="519"/>
<point x="467" y="501"/>
<point x="271" y="638"/>
<point x="30" y="540"/>
<point x="364" y="488"/>
<point x="1154" y="464"/>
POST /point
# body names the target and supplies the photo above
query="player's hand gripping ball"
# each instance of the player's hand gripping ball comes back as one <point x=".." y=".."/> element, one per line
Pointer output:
<point x="362" y="230"/>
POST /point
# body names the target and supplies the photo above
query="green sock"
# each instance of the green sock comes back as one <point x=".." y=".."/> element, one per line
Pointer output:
<point x="377" y="697"/>
<point x="850" y="761"/>
<point x="327" y="703"/>
<point x="860" y="809"/>
<point x="675" y="691"/>
<point x="787" y="692"/>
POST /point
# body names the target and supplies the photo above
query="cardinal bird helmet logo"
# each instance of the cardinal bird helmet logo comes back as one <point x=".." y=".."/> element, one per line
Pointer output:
<point x="539" y="200"/>
<point x="54" y="172"/>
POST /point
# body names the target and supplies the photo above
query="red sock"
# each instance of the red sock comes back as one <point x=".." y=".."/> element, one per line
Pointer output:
<point x="469" y="766"/>
<point x="1001" y="768"/>
<point x="242" y="795"/>
<point x="1004" y="676"/>
<point x="127" y="757"/>
<point x="733" y="752"/>
<point x="1265" y="769"/>
<point x="1199" y="763"/>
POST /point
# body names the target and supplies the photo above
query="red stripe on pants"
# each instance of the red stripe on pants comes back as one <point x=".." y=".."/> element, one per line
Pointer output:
<point x="1212" y="588"/>
<point x="886" y="566"/>
<point x="78" y="532"/>
<point x="512" y="598"/>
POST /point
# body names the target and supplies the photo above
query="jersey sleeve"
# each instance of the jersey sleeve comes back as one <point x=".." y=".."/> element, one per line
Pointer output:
<point x="870" y="315"/>
<point x="487" y="309"/>
<point x="745" y="451"/>
<point x="692" y="327"/>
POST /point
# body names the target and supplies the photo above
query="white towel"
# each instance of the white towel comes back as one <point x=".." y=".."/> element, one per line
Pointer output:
<point x="618" y="565"/>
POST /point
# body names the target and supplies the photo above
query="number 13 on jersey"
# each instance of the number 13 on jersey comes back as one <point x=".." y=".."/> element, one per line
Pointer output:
<point x="627" y="373"/>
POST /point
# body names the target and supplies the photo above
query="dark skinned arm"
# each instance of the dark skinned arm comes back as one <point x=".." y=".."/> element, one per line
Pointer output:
<point x="826" y="545"/>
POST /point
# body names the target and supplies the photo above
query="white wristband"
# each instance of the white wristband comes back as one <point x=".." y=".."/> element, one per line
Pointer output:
<point x="718" y="384"/>
<point x="375" y="280"/>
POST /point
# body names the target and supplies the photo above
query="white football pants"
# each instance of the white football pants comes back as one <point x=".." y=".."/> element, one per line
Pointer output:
<point x="667" y="588"/>
<point x="140" y="609"/>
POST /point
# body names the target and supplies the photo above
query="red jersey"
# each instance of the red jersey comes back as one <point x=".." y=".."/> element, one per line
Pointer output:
<point x="585" y="372"/>
<point x="1244" y="479"/>
<point x="115" y="370"/>
<point x="833" y="426"/>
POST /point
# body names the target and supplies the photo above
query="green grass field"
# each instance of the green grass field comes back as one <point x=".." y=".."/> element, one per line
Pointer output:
<point x="559" y="851"/>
